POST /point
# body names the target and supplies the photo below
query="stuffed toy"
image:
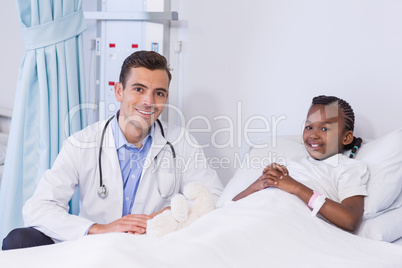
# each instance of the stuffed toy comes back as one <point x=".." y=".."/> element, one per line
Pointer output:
<point x="185" y="209"/>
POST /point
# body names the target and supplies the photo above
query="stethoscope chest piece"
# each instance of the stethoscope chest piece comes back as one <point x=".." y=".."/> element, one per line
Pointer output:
<point x="103" y="191"/>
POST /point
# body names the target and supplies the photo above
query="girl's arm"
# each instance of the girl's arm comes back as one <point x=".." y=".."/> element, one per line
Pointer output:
<point x="259" y="184"/>
<point x="271" y="172"/>
<point x="346" y="215"/>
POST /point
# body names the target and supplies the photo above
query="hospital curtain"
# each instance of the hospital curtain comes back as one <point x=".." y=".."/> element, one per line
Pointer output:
<point x="49" y="96"/>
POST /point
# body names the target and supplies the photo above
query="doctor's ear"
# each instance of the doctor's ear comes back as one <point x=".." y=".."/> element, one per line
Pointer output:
<point x="118" y="91"/>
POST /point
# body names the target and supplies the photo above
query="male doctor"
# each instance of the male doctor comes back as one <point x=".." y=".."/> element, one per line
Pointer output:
<point x="134" y="159"/>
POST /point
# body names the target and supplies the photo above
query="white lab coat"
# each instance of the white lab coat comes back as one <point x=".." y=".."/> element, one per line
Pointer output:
<point x="77" y="165"/>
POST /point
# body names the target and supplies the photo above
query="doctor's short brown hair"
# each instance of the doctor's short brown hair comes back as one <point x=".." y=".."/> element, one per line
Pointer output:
<point x="150" y="60"/>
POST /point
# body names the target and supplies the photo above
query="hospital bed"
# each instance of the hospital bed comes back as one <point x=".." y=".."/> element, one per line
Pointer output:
<point x="382" y="218"/>
<point x="267" y="229"/>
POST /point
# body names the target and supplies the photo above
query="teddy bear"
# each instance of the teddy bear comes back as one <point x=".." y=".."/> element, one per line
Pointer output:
<point x="195" y="201"/>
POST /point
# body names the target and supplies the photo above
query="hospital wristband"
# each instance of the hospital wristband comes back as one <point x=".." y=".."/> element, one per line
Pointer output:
<point x="312" y="199"/>
<point x="318" y="203"/>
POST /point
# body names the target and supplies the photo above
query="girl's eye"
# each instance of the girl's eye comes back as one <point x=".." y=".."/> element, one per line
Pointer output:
<point x="308" y="127"/>
<point x="324" y="129"/>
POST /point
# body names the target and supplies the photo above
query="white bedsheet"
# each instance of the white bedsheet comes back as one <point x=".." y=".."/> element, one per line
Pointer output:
<point x="268" y="229"/>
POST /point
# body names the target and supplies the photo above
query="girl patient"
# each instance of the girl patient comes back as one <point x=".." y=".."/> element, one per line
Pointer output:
<point x="329" y="182"/>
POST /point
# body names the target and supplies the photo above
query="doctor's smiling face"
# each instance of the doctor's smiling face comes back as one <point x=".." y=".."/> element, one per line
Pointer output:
<point x="142" y="93"/>
<point x="142" y="99"/>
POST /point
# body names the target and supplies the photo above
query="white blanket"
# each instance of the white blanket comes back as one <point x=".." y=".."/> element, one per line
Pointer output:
<point x="267" y="229"/>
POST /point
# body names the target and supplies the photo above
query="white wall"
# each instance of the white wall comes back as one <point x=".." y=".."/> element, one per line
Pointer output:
<point x="269" y="57"/>
<point x="274" y="56"/>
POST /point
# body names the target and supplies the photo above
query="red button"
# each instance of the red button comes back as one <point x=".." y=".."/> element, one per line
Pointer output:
<point x="112" y="45"/>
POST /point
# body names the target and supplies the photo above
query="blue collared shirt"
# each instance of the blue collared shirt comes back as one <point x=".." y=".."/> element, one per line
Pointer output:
<point x="131" y="160"/>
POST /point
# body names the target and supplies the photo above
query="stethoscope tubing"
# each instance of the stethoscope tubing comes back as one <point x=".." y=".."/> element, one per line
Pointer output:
<point x="103" y="191"/>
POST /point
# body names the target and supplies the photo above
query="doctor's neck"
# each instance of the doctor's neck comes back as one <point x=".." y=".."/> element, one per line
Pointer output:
<point x="134" y="130"/>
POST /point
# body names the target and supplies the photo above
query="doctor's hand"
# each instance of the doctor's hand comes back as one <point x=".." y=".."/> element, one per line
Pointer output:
<point x="131" y="223"/>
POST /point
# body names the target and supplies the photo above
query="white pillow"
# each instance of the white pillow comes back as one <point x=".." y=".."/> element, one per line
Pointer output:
<point x="254" y="162"/>
<point x="385" y="227"/>
<point x="383" y="157"/>
<point x="240" y="181"/>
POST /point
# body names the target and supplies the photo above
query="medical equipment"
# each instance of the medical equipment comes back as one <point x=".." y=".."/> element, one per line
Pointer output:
<point x="104" y="191"/>
<point x="148" y="22"/>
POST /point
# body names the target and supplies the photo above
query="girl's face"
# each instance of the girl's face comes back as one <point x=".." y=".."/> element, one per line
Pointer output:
<point x="324" y="134"/>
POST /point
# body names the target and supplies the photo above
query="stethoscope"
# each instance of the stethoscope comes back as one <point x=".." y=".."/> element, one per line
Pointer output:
<point x="104" y="191"/>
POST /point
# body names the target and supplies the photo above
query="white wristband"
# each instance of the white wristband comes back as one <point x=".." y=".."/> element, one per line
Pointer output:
<point x="318" y="202"/>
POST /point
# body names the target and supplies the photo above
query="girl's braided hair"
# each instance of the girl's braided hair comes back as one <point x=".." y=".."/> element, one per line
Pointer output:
<point x="349" y="116"/>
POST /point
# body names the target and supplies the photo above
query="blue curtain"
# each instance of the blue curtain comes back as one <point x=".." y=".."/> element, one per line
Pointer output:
<point x="50" y="92"/>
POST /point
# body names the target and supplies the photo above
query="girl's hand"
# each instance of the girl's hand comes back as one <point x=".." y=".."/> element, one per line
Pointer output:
<point x="271" y="174"/>
<point x="287" y="184"/>
<point x="279" y="170"/>
<point x="278" y="176"/>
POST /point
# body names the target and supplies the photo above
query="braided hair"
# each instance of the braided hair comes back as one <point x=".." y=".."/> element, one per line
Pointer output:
<point x="349" y="119"/>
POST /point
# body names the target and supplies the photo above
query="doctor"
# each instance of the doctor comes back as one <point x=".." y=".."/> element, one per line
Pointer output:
<point x="135" y="163"/>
